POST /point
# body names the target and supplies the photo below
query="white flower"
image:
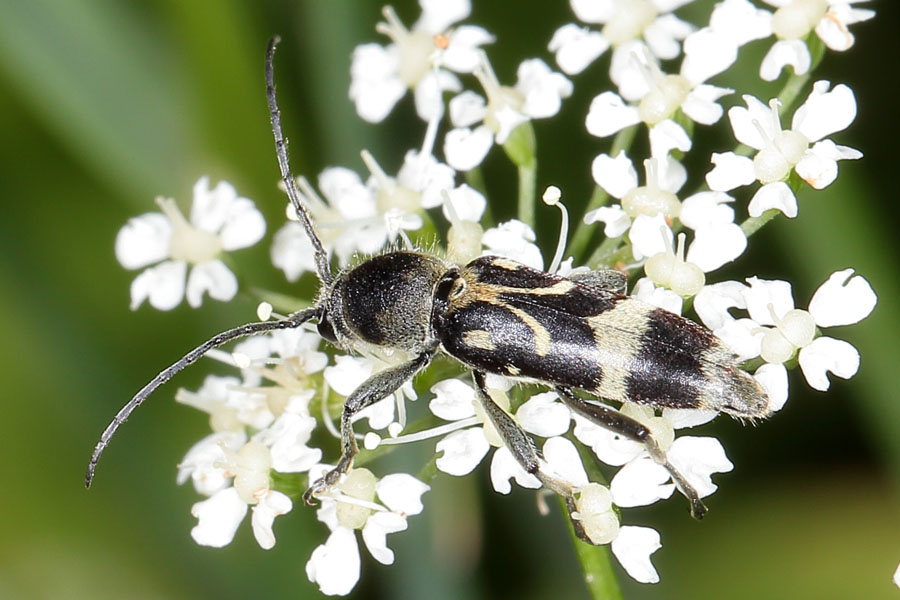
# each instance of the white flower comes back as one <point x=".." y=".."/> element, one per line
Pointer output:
<point x="538" y="94"/>
<point x="800" y="149"/>
<point x="623" y="21"/>
<point x="659" y="97"/>
<point x="334" y="565"/>
<point x="639" y="203"/>
<point x="221" y="514"/>
<point x="220" y="221"/>
<point x="793" y="21"/>
<point x="381" y="75"/>
<point x="776" y="330"/>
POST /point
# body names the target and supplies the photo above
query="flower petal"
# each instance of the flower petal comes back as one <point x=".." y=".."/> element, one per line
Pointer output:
<point x="633" y="547"/>
<point x="648" y="236"/>
<point x="564" y="462"/>
<point x="292" y="251"/>
<point x="439" y="15"/>
<point x="213" y="277"/>
<point x="784" y="53"/>
<point x="219" y="518"/>
<point x="272" y="505"/>
<point x="162" y="284"/>
<point x="762" y="293"/>
<point x="615" y="175"/>
<point x="825" y="112"/>
<point x="842" y="300"/>
<point x="774" y="379"/>
<point x="617" y="220"/>
<point x="702" y="104"/>
<point x="744" y="122"/>
<point x="641" y="482"/>
<point x="544" y="415"/>
<point x="334" y="565"/>
<point x="453" y="400"/>
<point x="608" y="114"/>
<point x="463" y="53"/>
<point x="143" y="240"/>
<point x="730" y="171"/>
<point x="402" y="493"/>
<point x="611" y="448"/>
<point x="713" y="302"/>
<point x="504" y="468"/>
<point x="826" y="354"/>
<point x="467" y="108"/>
<point x="776" y="195"/>
<point x="463" y="450"/>
<point x="468" y="203"/>
<point x="244" y="225"/>
<point x="576" y="47"/>
<point x="465" y="148"/>
<point x="697" y="458"/>
<point x="375" y="532"/>
<point x="706" y="54"/>
<point x="542" y="88"/>
<point x="375" y="86"/>
<point x="743" y="336"/>
<point x="716" y="245"/>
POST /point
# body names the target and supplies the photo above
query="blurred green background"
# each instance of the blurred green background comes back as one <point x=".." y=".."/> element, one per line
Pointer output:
<point x="105" y="104"/>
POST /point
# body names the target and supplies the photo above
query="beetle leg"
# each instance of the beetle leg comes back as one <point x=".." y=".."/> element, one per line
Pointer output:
<point x="375" y="388"/>
<point x="609" y="280"/>
<point x="632" y="429"/>
<point x="522" y="448"/>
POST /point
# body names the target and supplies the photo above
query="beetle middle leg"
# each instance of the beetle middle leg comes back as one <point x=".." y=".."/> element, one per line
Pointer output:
<point x="632" y="429"/>
<point x="372" y="390"/>
<point x="522" y="448"/>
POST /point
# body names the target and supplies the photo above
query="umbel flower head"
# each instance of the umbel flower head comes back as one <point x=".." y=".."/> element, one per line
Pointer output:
<point x="185" y="254"/>
<point x="660" y="228"/>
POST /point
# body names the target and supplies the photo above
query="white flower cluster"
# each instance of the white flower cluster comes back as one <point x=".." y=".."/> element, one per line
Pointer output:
<point x="261" y="420"/>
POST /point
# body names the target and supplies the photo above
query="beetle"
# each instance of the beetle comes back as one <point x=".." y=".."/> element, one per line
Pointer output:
<point x="495" y="315"/>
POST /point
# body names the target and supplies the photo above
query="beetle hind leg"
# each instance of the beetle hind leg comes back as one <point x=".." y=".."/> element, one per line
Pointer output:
<point x="632" y="429"/>
<point x="522" y="448"/>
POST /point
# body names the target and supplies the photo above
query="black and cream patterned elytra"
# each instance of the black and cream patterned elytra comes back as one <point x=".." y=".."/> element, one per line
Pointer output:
<point x="507" y="318"/>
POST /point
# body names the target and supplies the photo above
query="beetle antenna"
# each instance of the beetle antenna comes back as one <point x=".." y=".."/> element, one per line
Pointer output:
<point x="281" y="143"/>
<point x="292" y="321"/>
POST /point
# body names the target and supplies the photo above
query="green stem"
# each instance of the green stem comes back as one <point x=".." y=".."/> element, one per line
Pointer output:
<point x="599" y="197"/>
<point x="596" y="563"/>
<point x="527" y="185"/>
<point x="753" y="224"/>
<point x="521" y="148"/>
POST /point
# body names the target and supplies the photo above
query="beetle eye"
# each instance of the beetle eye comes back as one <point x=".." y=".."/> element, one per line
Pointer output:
<point x="459" y="287"/>
<point x="325" y="328"/>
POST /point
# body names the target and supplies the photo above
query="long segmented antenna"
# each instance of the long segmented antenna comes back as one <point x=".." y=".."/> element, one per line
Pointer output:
<point x="292" y="321"/>
<point x="322" y="266"/>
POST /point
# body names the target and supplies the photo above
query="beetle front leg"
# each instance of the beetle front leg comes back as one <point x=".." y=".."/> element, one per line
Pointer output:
<point x="376" y="387"/>
<point x="614" y="421"/>
<point x="522" y="448"/>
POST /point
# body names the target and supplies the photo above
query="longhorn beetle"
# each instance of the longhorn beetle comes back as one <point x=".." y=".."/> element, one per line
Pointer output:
<point x="498" y="316"/>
